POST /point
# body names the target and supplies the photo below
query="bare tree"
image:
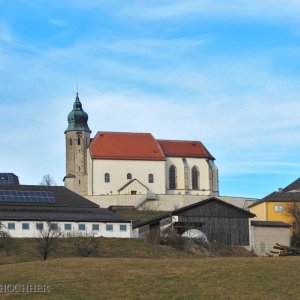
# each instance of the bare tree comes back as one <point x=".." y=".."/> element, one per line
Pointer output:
<point x="6" y="241"/>
<point x="48" y="239"/>
<point x="293" y="210"/>
<point x="86" y="244"/>
<point x="48" y="180"/>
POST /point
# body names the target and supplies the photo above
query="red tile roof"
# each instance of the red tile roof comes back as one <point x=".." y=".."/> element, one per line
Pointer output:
<point x="126" y="145"/>
<point x="184" y="149"/>
<point x="143" y="146"/>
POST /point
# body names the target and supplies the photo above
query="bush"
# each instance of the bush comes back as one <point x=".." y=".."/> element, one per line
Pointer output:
<point x="173" y="239"/>
<point x="85" y="244"/>
<point x="6" y="242"/>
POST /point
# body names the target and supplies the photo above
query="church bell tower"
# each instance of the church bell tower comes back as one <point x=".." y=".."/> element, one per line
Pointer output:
<point x="77" y="142"/>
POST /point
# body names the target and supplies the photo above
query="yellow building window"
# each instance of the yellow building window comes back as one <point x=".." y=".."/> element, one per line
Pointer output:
<point x="278" y="208"/>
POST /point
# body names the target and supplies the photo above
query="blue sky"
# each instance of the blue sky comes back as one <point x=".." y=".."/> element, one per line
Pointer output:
<point x="225" y="73"/>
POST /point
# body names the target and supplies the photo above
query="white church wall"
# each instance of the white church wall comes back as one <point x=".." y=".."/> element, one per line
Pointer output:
<point x="118" y="169"/>
<point x="32" y="232"/>
<point x="164" y="202"/>
<point x="203" y="167"/>
<point x="117" y="200"/>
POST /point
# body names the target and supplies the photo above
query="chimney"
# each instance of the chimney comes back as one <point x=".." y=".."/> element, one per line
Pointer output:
<point x="280" y="190"/>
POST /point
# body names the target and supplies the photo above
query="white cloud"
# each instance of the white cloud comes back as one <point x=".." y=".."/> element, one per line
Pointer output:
<point x="59" y="23"/>
<point x="267" y="9"/>
<point x="6" y="35"/>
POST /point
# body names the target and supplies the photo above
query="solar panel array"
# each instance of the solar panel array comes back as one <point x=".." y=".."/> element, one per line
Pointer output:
<point x="27" y="196"/>
<point x="8" y="178"/>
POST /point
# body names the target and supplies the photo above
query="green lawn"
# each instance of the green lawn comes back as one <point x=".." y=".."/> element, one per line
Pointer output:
<point x="161" y="278"/>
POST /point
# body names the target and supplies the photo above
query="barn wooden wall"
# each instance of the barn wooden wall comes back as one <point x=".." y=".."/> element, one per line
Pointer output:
<point x="221" y="222"/>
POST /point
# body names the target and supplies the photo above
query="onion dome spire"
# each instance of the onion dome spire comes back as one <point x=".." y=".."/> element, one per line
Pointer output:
<point x="78" y="118"/>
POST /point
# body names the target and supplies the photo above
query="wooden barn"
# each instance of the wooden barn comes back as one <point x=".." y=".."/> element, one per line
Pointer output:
<point x="218" y="220"/>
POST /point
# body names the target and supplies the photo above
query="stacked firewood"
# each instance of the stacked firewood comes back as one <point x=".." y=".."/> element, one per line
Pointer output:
<point x="283" y="250"/>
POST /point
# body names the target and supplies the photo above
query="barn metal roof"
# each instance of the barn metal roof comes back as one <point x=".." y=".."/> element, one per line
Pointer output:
<point x="179" y="210"/>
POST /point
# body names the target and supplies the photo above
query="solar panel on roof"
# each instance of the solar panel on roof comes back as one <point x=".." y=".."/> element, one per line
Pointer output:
<point x="8" y="178"/>
<point x="27" y="196"/>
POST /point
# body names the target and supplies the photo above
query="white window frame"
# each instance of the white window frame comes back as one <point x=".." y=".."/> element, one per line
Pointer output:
<point x="278" y="208"/>
<point x="10" y="223"/>
<point x="25" y="228"/>
<point x="123" y="230"/>
<point x="112" y="227"/>
<point x="66" y="228"/>
<point x="81" y="225"/>
<point x="95" y="225"/>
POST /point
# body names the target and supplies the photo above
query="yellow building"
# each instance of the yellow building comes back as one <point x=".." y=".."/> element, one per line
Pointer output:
<point x="274" y="207"/>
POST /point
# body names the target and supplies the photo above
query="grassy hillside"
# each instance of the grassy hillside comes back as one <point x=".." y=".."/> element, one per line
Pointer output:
<point x="137" y="278"/>
<point x="25" y="250"/>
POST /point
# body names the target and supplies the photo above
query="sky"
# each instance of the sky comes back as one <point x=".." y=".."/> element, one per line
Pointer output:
<point x="226" y="73"/>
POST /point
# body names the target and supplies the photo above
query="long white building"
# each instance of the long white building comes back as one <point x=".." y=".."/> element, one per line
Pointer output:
<point x="26" y="210"/>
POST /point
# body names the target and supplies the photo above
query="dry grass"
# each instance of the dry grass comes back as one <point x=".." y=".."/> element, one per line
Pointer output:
<point x="25" y="250"/>
<point x="136" y="278"/>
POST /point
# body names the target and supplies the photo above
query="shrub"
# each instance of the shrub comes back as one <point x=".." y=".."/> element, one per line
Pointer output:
<point x="6" y="242"/>
<point x="86" y="244"/>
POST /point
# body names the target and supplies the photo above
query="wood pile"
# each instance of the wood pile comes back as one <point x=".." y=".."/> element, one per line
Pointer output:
<point x="283" y="250"/>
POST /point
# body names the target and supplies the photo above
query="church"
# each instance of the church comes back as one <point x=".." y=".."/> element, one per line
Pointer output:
<point x="133" y="166"/>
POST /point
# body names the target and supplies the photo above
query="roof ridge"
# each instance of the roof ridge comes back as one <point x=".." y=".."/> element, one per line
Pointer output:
<point x="124" y="132"/>
<point x="186" y="141"/>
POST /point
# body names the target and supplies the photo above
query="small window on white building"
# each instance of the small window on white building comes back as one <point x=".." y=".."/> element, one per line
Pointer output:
<point x="109" y="227"/>
<point x="195" y="178"/>
<point x="123" y="227"/>
<point x="278" y="208"/>
<point x="129" y="176"/>
<point x="81" y="226"/>
<point x="39" y="226"/>
<point x="106" y="177"/>
<point x="95" y="227"/>
<point x="11" y="226"/>
<point x="25" y="226"/>
<point x="172" y="177"/>
<point x="54" y="226"/>
<point x="68" y="226"/>
<point x="151" y="178"/>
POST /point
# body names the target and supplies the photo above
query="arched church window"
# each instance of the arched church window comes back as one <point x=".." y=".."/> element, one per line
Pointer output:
<point x="78" y="140"/>
<point x="106" y="177"/>
<point x="70" y="142"/>
<point x="129" y="176"/>
<point x="150" y="178"/>
<point x="195" y="178"/>
<point x="172" y="177"/>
